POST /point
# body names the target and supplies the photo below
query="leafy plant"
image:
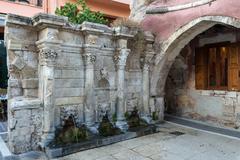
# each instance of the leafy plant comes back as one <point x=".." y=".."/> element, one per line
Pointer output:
<point x="134" y="118"/>
<point x="106" y="128"/>
<point x="70" y="133"/>
<point x="77" y="16"/>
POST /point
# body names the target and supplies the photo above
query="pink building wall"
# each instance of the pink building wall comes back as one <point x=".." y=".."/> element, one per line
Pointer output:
<point x="112" y="8"/>
<point x="164" y="25"/>
<point x="18" y="8"/>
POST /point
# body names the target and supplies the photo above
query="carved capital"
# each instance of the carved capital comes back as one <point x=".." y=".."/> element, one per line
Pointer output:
<point x="145" y="62"/>
<point x="146" y="67"/>
<point x="47" y="56"/>
<point x="89" y="58"/>
<point x="121" y="57"/>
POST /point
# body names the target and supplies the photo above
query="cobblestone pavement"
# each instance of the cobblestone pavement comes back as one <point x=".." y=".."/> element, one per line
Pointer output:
<point x="167" y="145"/>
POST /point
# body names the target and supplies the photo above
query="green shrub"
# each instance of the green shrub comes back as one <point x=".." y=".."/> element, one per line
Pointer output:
<point x="106" y="128"/>
<point x="77" y="16"/>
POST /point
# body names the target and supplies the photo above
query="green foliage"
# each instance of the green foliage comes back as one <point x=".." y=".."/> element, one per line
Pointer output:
<point x="77" y="16"/>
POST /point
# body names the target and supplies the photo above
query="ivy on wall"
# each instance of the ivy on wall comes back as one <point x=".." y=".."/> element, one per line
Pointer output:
<point x="78" y="16"/>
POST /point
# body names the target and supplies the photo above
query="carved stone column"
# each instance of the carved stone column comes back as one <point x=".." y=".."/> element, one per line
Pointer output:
<point x="121" y="59"/>
<point x="159" y="105"/>
<point x="146" y="115"/>
<point x="49" y="46"/>
<point x="146" y="110"/>
<point x="90" y="59"/>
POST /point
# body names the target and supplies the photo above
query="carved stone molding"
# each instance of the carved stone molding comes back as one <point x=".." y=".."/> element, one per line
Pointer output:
<point x="146" y="67"/>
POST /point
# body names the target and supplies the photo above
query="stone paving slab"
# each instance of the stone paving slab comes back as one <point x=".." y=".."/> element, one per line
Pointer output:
<point x="191" y="145"/>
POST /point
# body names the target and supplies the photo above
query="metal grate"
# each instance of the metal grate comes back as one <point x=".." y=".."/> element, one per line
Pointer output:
<point x="177" y="133"/>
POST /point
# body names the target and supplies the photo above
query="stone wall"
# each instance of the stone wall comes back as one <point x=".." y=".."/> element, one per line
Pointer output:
<point x="220" y="108"/>
<point x="58" y="69"/>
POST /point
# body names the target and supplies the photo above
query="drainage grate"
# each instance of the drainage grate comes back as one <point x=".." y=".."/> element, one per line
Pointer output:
<point x="177" y="133"/>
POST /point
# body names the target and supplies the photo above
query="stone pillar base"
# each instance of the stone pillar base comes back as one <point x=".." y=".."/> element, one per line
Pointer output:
<point x="93" y="128"/>
<point x="147" y="119"/>
<point x="46" y="139"/>
<point x="122" y="125"/>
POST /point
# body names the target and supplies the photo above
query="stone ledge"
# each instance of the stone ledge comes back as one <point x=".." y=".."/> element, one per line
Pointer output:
<point x="20" y="20"/>
<point x="19" y="103"/>
<point x="95" y="27"/>
<point x="42" y="19"/>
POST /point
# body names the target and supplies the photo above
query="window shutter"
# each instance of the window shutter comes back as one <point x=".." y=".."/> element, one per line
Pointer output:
<point x="233" y="69"/>
<point x="201" y="70"/>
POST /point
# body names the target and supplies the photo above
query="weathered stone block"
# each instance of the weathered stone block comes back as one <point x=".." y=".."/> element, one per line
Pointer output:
<point x="30" y="83"/>
<point x="30" y="92"/>
<point x="18" y="63"/>
<point x="69" y="100"/>
<point x="69" y="74"/>
<point x="71" y="83"/>
<point x="70" y="92"/>
<point x="14" y="83"/>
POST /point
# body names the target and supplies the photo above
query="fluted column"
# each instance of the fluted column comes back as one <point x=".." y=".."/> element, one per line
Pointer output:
<point x="121" y="59"/>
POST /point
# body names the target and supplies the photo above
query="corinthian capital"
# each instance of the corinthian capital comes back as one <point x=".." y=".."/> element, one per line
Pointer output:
<point x="90" y="58"/>
<point x="121" y="57"/>
<point x="47" y="55"/>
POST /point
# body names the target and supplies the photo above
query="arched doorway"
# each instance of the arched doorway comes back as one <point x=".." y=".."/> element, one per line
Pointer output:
<point x="172" y="47"/>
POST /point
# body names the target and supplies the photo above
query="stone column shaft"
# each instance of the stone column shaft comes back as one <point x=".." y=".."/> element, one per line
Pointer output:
<point x="121" y="59"/>
<point x="121" y="97"/>
<point x="89" y="89"/>
<point x="146" y="110"/>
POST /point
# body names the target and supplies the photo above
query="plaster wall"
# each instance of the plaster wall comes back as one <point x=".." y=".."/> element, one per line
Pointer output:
<point x="164" y="25"/>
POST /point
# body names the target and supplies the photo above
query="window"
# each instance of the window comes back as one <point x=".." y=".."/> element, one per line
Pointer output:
<point x="217" y="67"/>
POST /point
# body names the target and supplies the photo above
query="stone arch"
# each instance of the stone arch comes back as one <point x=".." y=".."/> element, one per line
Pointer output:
<point x="173" y="45"/>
